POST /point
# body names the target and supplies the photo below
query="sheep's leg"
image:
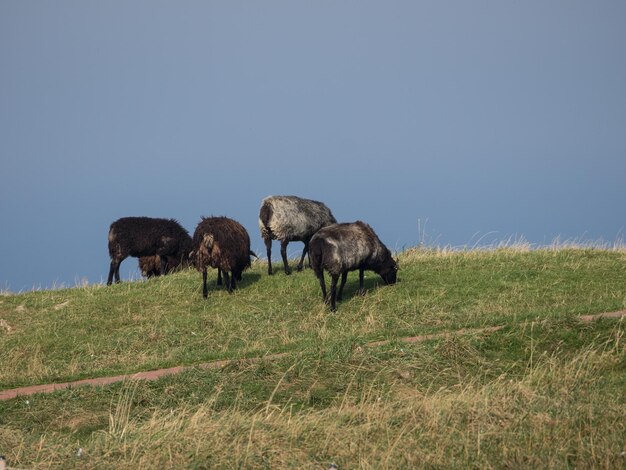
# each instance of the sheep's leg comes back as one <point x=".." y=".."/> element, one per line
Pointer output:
<point x="117" y="271"/>
<point x="227" y="282"/>
<point x="283" y="253"/>
<point x="163" y="260"/>
<point x="304" y="252"/>
<point x="219" y="277"/>
<point x="112" y="270"/>
<point x="320" y="276"/>
<point x="205" y="288"/>
<point x="268" y="247"/>
<point x="344" y="277"/>
<point x="233" y="283"/>
<point x="333" y="292"/>
<point x="361" y="275"/>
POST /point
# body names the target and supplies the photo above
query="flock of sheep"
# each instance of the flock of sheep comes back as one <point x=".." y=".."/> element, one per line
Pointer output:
<point x="219" y="242"/>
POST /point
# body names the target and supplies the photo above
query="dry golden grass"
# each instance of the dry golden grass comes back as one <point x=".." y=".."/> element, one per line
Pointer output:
<point x="550" y="416"/>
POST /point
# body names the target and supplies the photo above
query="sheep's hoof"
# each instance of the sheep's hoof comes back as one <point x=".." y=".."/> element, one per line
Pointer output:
<point x="299" y="268"/>
<point x="333" y="309"/>
<point x="361" y="292"/>
<point x="287" y="272"/>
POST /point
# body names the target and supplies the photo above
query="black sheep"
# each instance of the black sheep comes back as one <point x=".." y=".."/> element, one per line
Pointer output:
<point x="146" y="236"/>
<point x="340" y="248"/>
<point x="224" y="244"/>
<point x="291" y="218"/>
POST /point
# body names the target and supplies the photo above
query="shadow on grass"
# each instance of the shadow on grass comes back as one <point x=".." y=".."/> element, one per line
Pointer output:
<point x="247" y="278"/>
<point x="351" y="289"/>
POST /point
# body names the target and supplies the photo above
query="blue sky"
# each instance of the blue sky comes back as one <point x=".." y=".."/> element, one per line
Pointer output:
<point x="495" y="118"/>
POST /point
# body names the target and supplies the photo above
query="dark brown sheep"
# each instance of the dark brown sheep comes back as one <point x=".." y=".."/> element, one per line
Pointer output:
<point x="340" y="248"/>
<point x="150" y="266"/>
<point x="291" y="218"/>
<point x="222" y="243"/>
<point x="146" y="236"/>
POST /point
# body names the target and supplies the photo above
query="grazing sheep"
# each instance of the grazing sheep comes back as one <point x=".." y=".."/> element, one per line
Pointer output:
<point x="224" y="244"/>
<point x="146" y="236"/>
<point x="291" y="218"/>
<point x="346" y="247"/>
<point x="150" y="266"/>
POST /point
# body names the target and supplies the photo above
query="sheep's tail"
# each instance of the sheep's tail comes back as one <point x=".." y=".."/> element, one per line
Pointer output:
<point x="316" y="253"/>
<point x="252" y="253"/>
<point x="265" y="214"/>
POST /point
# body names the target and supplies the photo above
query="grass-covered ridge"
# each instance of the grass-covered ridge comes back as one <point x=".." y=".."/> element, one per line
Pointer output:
<point x="547" y="390"/>
<point x="92" y="331"/>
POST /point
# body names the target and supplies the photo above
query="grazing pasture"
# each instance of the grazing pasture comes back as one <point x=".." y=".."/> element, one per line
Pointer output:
<point x="546" y="390"/>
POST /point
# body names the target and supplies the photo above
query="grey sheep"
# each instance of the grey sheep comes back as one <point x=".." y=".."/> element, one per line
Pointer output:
<point x="346" y="247"/>
<point x="291" y="218"/>
<point x="146" y="236"/>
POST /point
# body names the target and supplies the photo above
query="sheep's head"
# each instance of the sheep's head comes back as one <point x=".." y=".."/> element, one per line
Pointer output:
<point x="389" y="271"/>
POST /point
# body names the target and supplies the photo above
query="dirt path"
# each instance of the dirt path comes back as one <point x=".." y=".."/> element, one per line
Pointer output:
<point x="156" y="374"/>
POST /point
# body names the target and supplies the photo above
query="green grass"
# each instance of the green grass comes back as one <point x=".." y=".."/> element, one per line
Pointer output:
<point x="545" y="391"/>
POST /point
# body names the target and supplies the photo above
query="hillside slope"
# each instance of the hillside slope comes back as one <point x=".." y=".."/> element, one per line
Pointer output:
<point x="546" y="390"/>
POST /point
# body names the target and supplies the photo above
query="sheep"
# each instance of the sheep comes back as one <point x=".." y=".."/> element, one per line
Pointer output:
<point x="146" y="236"/>
<point x="346" y="247"/>
<point x="150" y="266"/>
<point x="224" y="244"/>
<point x="291" y="218"/>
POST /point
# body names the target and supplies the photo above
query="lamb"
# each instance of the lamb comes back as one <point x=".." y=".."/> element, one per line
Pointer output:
<point x="291" y="218"/>
<point x="150" y="266"/>
<point x="146" y="236"/>
<point x="346" y="247"/>
<point x="224" y="244"/>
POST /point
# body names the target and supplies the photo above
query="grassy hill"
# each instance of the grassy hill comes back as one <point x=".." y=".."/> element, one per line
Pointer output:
<point x="546" y="390"/>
